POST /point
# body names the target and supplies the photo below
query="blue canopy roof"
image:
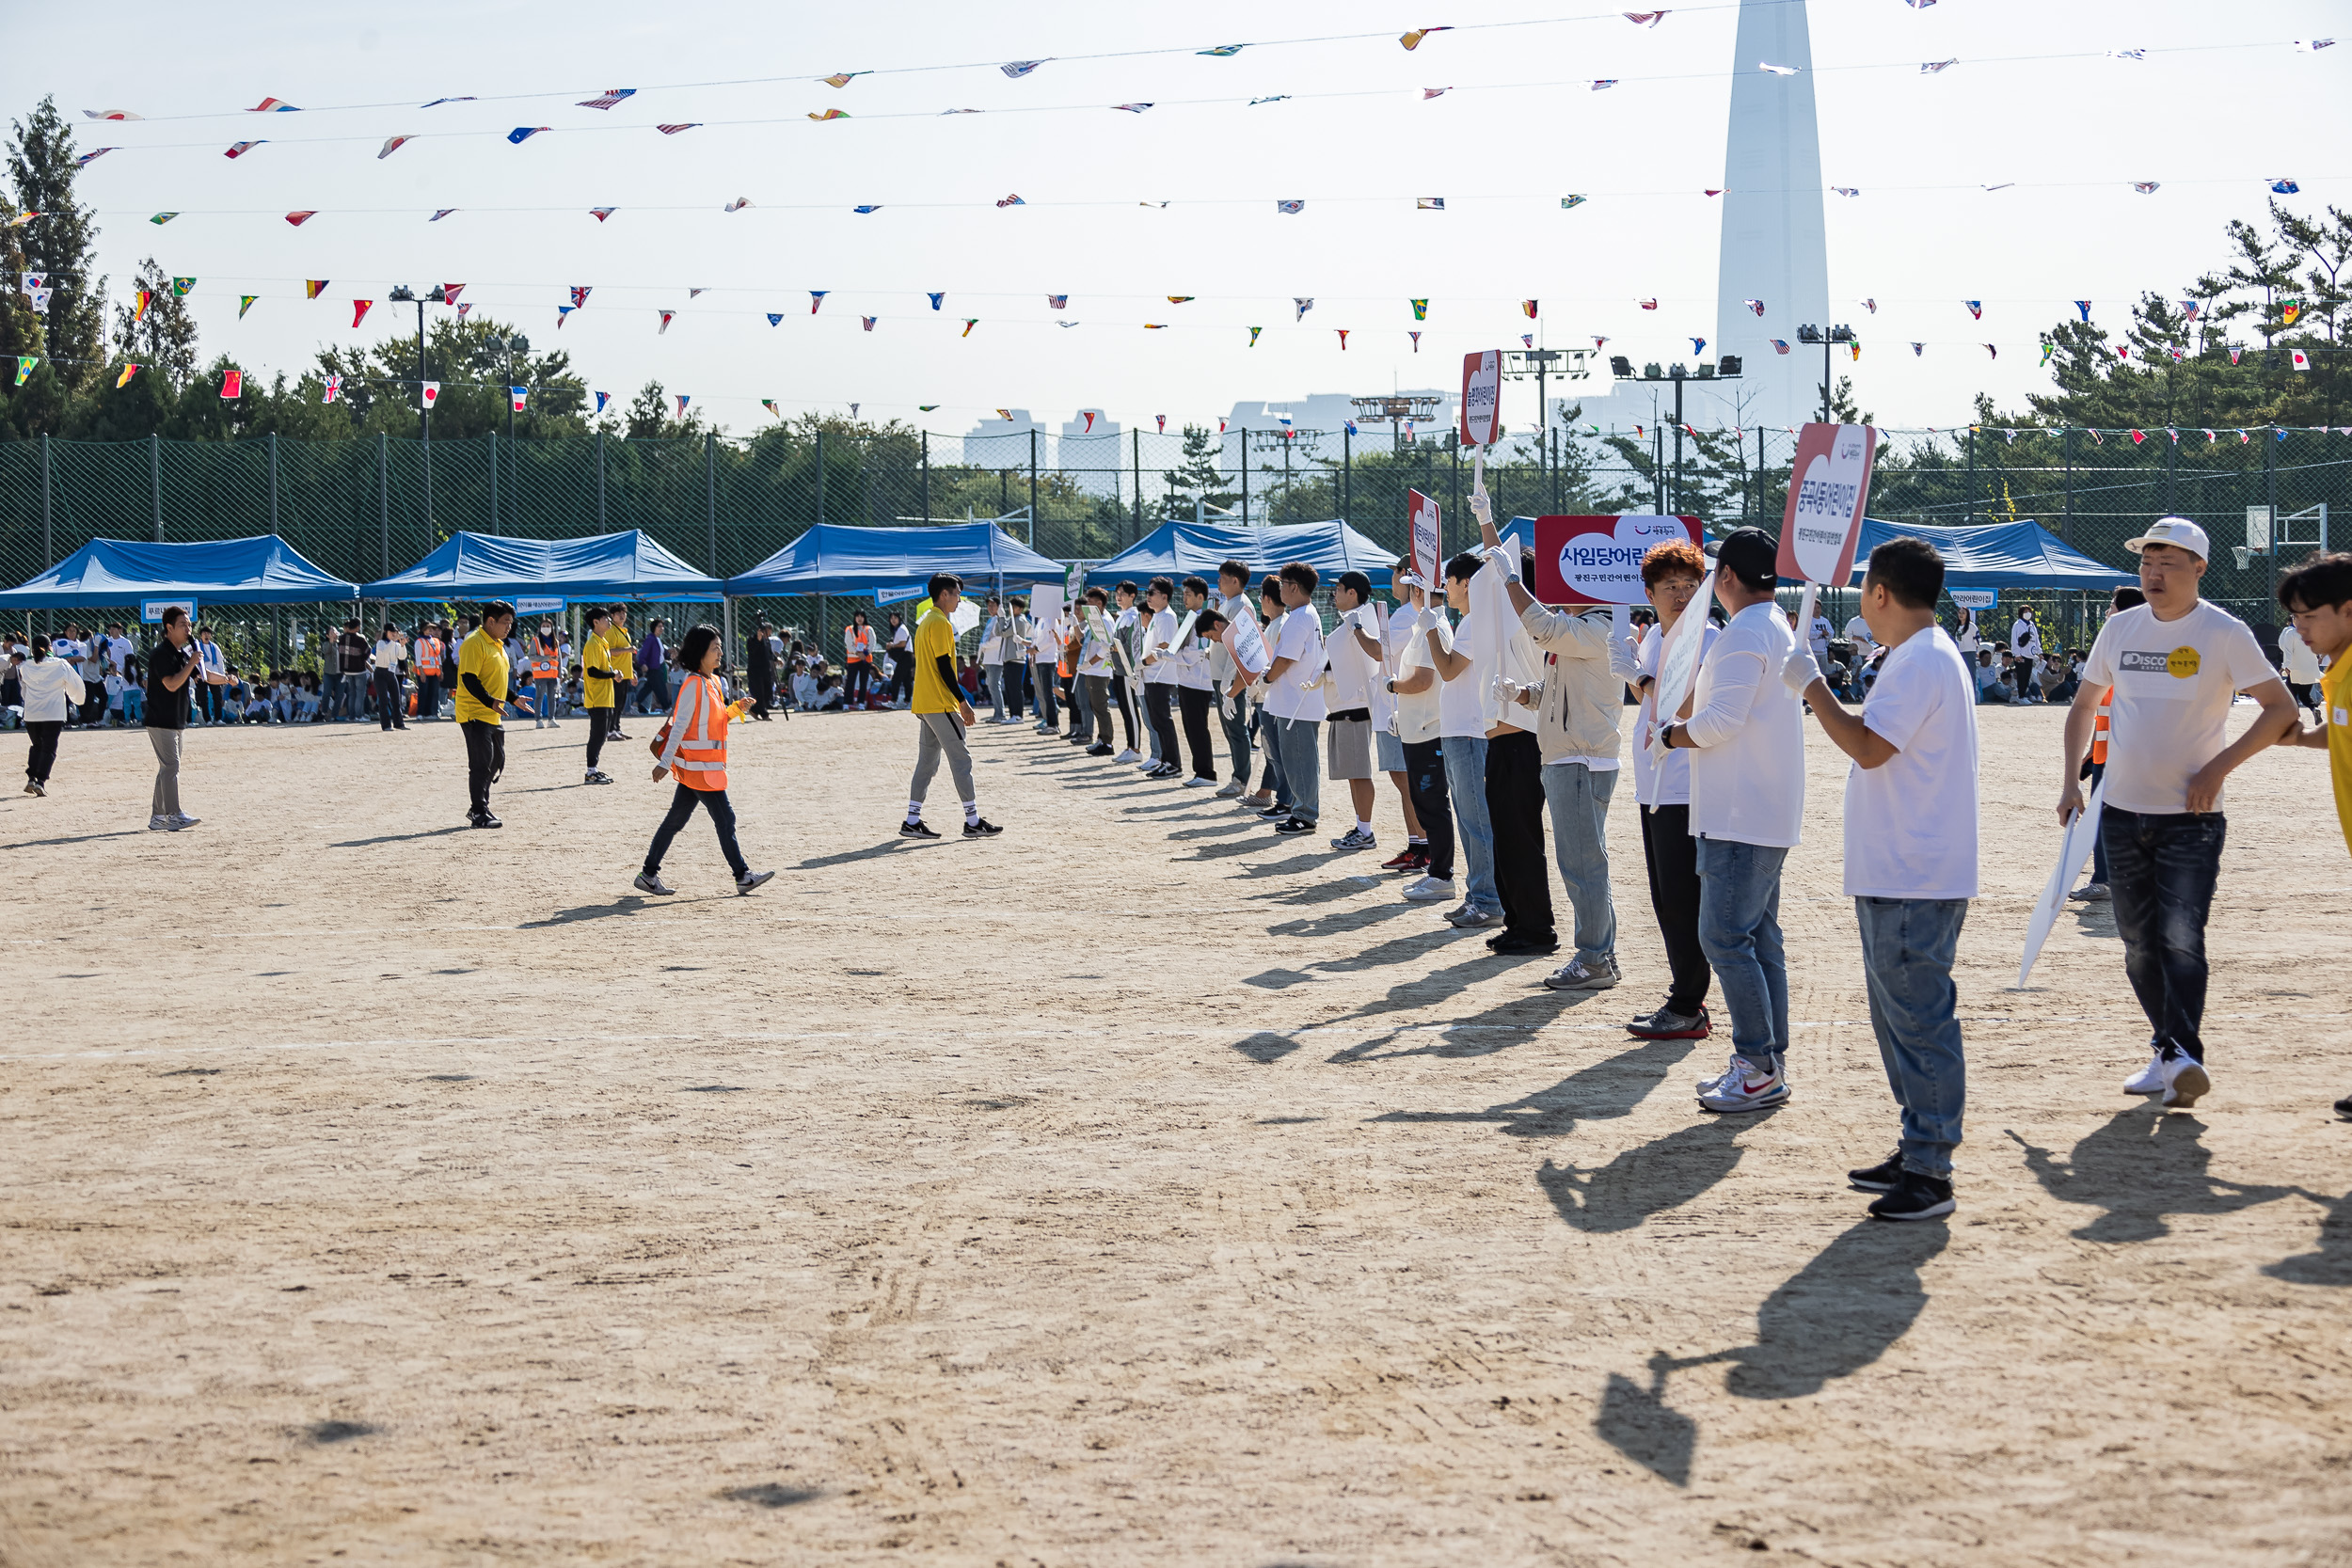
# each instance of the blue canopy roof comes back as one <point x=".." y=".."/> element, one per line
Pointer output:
<point x="832" y="558"/>
<point x="1998" y="555"/>
<point x="1180" y="550"/>
<point x="472" y="567"/>
<point x="262" y="570"/>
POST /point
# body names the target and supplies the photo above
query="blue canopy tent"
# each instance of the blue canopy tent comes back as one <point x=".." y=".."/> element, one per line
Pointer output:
<point x="472" y="567"/>
<point x="1998" y="555"/>
<point x="1180" y="550"/>
<point x="832" y="558"/>
<point x="109" y="572"/>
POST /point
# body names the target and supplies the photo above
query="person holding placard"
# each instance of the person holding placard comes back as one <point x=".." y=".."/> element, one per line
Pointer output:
<point x="1746" y="736"/>
<point x="1671" y="575"/>
<point x="1349" y="675"/>
<point x="1126" y="689"/>
<point x="1386" y="739"/>
<point x="1094" y="667"/>
<point x="1195" y="690"/>
<point x="1587" y="668"/>
<point x="1233" y="586"/>
<point x="1465" y="709"/>
<point x="1415" y="685"/>
<point x="1911" y="862"/>
<point x="1159" y="677"/>
<point x="1272" y="802"/>
<point x="2175" y="663"/>
<point x="1295" y="708"/>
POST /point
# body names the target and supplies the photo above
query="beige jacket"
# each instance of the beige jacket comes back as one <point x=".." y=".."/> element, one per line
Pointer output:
<point x="1583" y="696"/>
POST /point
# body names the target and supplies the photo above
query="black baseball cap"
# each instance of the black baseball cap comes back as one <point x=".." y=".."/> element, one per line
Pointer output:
<point x="1750" y="555"/>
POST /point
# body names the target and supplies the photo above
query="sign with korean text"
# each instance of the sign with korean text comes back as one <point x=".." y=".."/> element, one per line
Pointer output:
<point x="1598" y="559"/>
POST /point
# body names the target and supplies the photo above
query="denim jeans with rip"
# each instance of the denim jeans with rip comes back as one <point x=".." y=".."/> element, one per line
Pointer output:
<point x="1740" y="930"/>
<point x="1907" y="950"/>
<point x="2161" y="869"/>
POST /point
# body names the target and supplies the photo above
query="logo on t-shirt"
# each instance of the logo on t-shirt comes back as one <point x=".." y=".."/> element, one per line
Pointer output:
<point x="2180" y="663"/>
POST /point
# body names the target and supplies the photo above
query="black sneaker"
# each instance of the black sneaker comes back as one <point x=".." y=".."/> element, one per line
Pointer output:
<point x="1295" y="825"/>
<point x="981" y="828"/>
<point x="1667" y="1024"/>
<point x="915" y="829"/>
<point x="1881" y="1177"/>
<point x="1916" y="1197"/>
<point x="1098" y="750"/>
<point x="1275" y="814"/>
<point x="485" y="820"/>
<point x="2344" y="1107"/>
<point x="1514" y="947"/>
<point x="752" y="882"/>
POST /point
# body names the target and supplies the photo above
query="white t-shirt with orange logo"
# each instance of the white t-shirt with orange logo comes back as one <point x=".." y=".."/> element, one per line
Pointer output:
<point x="2173" y="681"/>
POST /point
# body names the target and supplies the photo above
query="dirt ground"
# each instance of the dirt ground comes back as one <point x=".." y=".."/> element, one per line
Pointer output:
<point x="1136" y="1188"/>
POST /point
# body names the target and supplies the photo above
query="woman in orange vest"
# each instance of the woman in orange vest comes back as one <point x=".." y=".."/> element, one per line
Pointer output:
<point x="858" y="643"/>
<point x="546" y="674"/>
<point x="428" y="650"/>
<point x="693" y="745"/>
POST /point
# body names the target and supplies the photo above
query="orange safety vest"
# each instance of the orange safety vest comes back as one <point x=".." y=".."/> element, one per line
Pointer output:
<point x="2099" y="729"/>
<point x="860" y="644"/>
<point x="429" y="658"/>
<point x="701" y="762"/>
<point x="544" y="664"/>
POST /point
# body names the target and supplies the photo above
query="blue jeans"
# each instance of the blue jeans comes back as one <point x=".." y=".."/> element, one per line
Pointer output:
<point x="1043" y="678"/>
<point x="996" y="691"/>
<point x="1740" y="932"/>
<point x="1907" y="948"/>
<point x="2161" y="869"/>
<point x="1577" y="798"/>
<point x="1299" y="740"/>
<point x="1465" y="784"/>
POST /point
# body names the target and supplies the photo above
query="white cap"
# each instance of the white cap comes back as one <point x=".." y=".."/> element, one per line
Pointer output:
<point x="2177" y="531"/>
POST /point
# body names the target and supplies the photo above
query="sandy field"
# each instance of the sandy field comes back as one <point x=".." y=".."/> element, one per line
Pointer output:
<point x="1136" y="1188"/>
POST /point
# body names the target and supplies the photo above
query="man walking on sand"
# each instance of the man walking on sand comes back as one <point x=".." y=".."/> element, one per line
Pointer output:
<point x="942" y="712"/>
<point x="2175" y="663"/>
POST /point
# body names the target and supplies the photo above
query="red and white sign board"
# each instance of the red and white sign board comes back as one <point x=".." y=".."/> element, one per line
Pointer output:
<point x="1829" y="487"/>
<point x="1427" y="559"/>
<point x="1481" y="398"/>
<point x="1598" y="559"/>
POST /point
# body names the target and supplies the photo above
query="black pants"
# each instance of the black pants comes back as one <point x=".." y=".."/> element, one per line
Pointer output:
<point x="1673" y="855"/>
<point x="1515" y="806"/>
<point x="621" y="690"/>
<point x="429" y="697"/>
<point x="682" y="806"/>
<point x="763" y="692"/>
<point x="1195" y="708"/>
<point x="387" y="694"/>
<point x="1424" y="781"/>
<point x="485" y="759"/>
<point x="601" y="722"/>
<point x="1125" y="700"/>
<point x="901" y="675"/>
<point x="860" y="678"/>
<point x="43" y="755"/>
<point x="1163" y="724"/>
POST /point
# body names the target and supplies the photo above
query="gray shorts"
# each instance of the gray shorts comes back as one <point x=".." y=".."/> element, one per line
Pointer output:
<point x="1347" y="749"/>
<point x="1388" y="751"/>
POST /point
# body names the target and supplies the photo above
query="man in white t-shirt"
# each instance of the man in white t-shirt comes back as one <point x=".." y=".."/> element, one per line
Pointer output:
<point x="1858" y="633"/>
<point x="1747" y="802"/>
<point x="1044" y="655"/>
<point x="1293" y="709"/>
<point x="1816" y="637"/>
<point x="1195" y="690"/>
<point x="1126" y="653"/>
<point x="2176" y="663"/>
<point x="1159" y="677"/>
<point x="1387" y="743"/>
<point x="1911" y="862"/>
<point x="1233" y="603"/>
<point x="1350" y="674"/>
<point x="1093" y="685"/>
<point x="1414" y="686"/>
<point x="1494" y="764"/>
<point x="1671" y="575"/>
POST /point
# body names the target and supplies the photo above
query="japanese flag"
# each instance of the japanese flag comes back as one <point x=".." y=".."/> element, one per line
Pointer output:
<point x="2303" y="360"/>
<point x="431" y="393"/>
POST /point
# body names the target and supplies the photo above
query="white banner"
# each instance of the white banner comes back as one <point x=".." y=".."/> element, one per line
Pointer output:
<point x="541" y="606"/>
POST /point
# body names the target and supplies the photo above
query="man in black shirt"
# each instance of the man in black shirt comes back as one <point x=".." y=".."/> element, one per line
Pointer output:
<point x="760" y="657"/>
<point x="351" y="670"/>
<point x="168" y="670"/>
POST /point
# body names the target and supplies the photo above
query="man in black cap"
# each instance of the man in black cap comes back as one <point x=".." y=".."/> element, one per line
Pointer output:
<point x="1746" y="736"/>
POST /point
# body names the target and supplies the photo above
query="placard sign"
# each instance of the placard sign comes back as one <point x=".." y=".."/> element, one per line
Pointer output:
<point x="151" y="611"/>
<point x="1829" y="488"/>
<point x="1481" y="398"/>
<point x="1598" y="559"/>
<point x="1427" y="559"/>
<point x="1974" y="598"/>
<point x="542" y="606"/>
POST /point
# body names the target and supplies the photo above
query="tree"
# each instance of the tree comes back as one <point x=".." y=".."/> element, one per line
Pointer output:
<point x="162" y="339"/>
<point x="1198" y="476"/>
<point x="649" y="417"/>
<point x="474" y="364"/>
<point x="35" y="404"/>
<point x="57" y="245"/>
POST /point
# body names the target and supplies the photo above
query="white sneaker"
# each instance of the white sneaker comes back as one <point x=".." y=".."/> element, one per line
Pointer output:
<point x="647" y="882"/>
<point x="1354" y="839"/>
<point x="1231" y="791"/>
<point x="1576" y="974"/>
<point x="1746" y="1087"/>
<point x="2185" y="1081"/>
<point x="184" y="821"/>
<point x="2090" y="893"/>
<point x="1129" y="754"/>
<point x="1198" y="783"/>
<point x="163" y="825"/>
<point x="2150" y="1079"/>
<point x="1430" y="890"/>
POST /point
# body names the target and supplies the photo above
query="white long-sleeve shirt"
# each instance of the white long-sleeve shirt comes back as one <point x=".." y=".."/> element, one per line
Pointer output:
<point x="50" y="685"/>
<point x="1747" y="734"/>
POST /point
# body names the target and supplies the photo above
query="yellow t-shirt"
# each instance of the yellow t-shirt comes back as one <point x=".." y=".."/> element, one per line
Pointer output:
<point x="624" y="660"/>
<point x="934" y="637"/>
<point x="596" y="654"/>
<point x="2335" y="692"/>
<point x="484" y="657"/>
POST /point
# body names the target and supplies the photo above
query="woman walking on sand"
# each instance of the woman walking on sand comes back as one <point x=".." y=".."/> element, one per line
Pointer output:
<point x="695" y="748"/>
<point x="52" y="690"/>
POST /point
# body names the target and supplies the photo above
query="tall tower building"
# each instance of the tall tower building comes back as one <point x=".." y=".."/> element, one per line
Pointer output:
<point x="1775" y="246"/>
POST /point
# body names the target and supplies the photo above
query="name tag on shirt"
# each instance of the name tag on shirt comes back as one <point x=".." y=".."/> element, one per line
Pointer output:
<point x="2341" y="719"/>
<point x="2168" y="675"/>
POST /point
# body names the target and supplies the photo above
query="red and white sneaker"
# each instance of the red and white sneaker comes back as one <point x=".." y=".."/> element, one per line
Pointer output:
<point x="1745" y="1087"/>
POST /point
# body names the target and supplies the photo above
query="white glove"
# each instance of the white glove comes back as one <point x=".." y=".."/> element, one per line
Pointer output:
<point x="1798" y="673"/>
<point x="1624" y="662"/>
<point x="1482" y="507"/>
<point x="1431" y="618"/>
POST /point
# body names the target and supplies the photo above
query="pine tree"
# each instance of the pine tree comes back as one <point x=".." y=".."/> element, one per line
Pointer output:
<point x="1199" y="477"/>
<point x="162" y="339"/>
<point x="37" y="406"/>
<point x="58" y="243"/>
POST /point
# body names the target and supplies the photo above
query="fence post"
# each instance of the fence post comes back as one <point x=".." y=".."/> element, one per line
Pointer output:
<point x="1244" y="476"/>
<point x="927" y="476"/>
<point x="48" y="548"/>
<point x="1033" y="485"/>
<point x="600" y="528"/>
<point x="155" y="481"/>
<point x="2066" y="524"/>
<point x="820" y="476"/>
<point x="494" y="481"/>
<point x="1137" y="434"/>
<point x="1347" y="475"/>
<point x="710" y="492"/>
<point x="2270" y="499"/>
<point x="384" y="500"/>
<point x="1970" y="514"/>
<point x="273" y="481"/>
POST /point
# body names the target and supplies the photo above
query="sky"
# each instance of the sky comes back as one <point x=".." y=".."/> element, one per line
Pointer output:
<point x="2221" y="104"/>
